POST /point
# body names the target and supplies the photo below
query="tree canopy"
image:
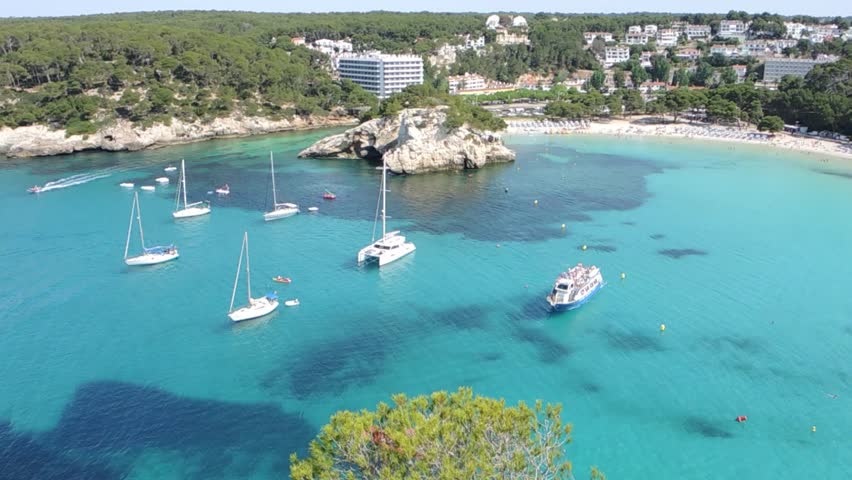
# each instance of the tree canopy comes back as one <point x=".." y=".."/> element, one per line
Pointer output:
<point x="442" y="435"/>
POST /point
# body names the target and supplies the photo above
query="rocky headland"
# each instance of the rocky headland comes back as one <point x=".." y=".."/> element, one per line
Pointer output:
<point x="415" y="141"/>
<point x="41" y="140"/>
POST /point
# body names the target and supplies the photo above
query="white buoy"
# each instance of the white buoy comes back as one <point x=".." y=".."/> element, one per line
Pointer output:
<point x="623" y="275"/>
<point x="583" y="248"/>
<point x="662" y="327"/>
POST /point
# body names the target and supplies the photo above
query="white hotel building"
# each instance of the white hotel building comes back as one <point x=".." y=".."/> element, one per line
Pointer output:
<point x="777" y="68"/>
<point x="618" y="54"/>
<point x="382" y="74"/>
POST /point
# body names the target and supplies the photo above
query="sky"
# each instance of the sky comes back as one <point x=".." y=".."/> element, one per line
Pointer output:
<point x="40" y="8"/>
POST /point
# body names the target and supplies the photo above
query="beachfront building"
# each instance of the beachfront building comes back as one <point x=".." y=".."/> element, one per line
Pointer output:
<point x="330" y="47"/>
<point x="777" y="68"/>
<point x="492" y="22"/>
<point x="636" y="38"/>
<point x="382" y="74"/>
<point x="688" y="54"/>
<point x="666" y="37"/>
<point x="733" y="29"/>
<point x="505" y="37"/>
<point x="725" y="50"/>
<point x="617" y="54"/>
<point x="590" y="36"/>
<point x="698" y="32"/>
<point x="466" y="82"/>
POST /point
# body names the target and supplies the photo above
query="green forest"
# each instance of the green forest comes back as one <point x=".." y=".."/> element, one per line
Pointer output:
<point x="81" y="73"/>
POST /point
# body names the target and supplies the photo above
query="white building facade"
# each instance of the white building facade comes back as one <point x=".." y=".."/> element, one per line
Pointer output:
<point x="777" y="68"/>
<point x="666" y="37"/>
<point x="466" y="82"/>
<point x="698" y="32"/>
<point x="733" y="29"/>
<point x="380" y="74"/>
<point x="618" y="54"/>
<point x="590" y="36"/>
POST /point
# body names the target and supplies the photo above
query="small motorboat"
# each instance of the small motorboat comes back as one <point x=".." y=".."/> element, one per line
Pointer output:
<point x="162" y="180"/>
<point x="281" y="279"/>
<point x="35" y="189"/>
<point x="292" y="303"/>
<point x="313" y="209"/>
<point x="148" y="188"/>
<point x="126" y="185"/>
<point x="170" y="168"/>
<point x="329" y="195"/>
<point x="224" y="190"/>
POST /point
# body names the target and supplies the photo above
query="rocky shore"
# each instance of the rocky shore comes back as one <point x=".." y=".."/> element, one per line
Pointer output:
<point x="415" y="141"/>
<point x="41" y="140"/>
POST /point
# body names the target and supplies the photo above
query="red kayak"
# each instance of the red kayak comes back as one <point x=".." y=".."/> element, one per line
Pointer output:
<point x="281" y="279"/>
<point x="329" y="196"/>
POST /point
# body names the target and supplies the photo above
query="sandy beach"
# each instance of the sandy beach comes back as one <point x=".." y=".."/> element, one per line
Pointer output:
<point x="641" y="126"/>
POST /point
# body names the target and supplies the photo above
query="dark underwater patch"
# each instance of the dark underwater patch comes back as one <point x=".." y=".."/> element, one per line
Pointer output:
<point x="631" y="341"/>
<point x="549" y="350"/>
<point x="678" y="253"/>
<point x="331" y="368"/>
<point x="628" y="223"/>
<point x="24" y="456"/>
<point x="658" y="236"/>
<point x="120" y="420"/>
<point x="463" y="318"/>
<point x="833" y="173"/>
<point x="590" y="387"/>
<point x="490" y="356"/>
<point x="700" y="426"/>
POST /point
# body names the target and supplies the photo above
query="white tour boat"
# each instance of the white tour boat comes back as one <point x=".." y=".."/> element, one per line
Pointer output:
<point x="575" y="287"/>
<point x="189" y="209"/>
<point x="256" y="307"/>
<point x="150" y="255"/>
<point x="279" y="210"/>
<point x="391" y="246"/>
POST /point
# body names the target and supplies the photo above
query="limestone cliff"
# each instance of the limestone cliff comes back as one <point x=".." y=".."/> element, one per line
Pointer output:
<point x="415" y="141"/>
<point x="40" y="140"/>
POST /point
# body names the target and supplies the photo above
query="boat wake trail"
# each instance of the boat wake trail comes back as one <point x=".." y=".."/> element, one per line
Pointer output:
<point x="78" y="179"/>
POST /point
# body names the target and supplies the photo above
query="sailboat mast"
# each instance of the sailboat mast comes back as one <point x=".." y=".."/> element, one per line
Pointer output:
<point x="248" y="271"/>
<point x="384" y="196"/>
<point x="130" y="226"/>
<point x="139" y="218"/>
<point x="237" y="279"/>
<point x="274" y="195"/>
<point x="183" y="179"/>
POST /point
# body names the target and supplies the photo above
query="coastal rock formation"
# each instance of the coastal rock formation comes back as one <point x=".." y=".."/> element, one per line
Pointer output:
<point x="415" y="141"/>
<point x="41" y="140"/>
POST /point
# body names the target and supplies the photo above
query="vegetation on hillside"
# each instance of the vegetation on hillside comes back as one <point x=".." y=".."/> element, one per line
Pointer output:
<point x="442" y="435"/>
<point x="459" y="111"/>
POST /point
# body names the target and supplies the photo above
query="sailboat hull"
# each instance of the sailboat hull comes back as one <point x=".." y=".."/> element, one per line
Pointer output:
<point x="258" y="307"/>
<point x="280" y="213"/>
<point x="371" y="254"/>
<point x="191" y="212"/>
<point x="151" y="259"/>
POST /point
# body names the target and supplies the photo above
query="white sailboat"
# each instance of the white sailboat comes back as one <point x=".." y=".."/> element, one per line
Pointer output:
<point x="256" y="307"/>
<point x="149" y="256"/>
<point x="279" y="210"/>
<point x="189" y="209"/>
<point x="391" y="246"/>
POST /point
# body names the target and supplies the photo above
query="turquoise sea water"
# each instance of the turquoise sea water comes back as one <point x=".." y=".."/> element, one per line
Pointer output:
<point x="743" y="252"/>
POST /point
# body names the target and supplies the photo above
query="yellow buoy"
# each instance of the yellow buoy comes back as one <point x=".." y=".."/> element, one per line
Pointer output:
<point x="623" y="275"/>
<point x="662" y="327"/>
<point x="813" y="428"/>
<point x="583" y="247"/>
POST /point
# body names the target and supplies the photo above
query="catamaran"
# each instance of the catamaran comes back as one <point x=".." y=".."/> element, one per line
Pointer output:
<point x="189" y="209"/>
<point x="391" y="246"/>
<point x="257" y="307"/>
<point x="149" y="256"/>
<point x="279" y="210"/>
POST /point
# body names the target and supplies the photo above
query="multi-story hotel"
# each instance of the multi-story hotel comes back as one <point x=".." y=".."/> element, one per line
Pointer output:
<point x="777" y="68"/>
<point x="615" y="55"/>
<point x="382" y="74"/>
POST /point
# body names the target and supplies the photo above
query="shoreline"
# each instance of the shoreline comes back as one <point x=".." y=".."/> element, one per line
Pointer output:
<point x="41" y="141"/>
<point x="704" y="132"/>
